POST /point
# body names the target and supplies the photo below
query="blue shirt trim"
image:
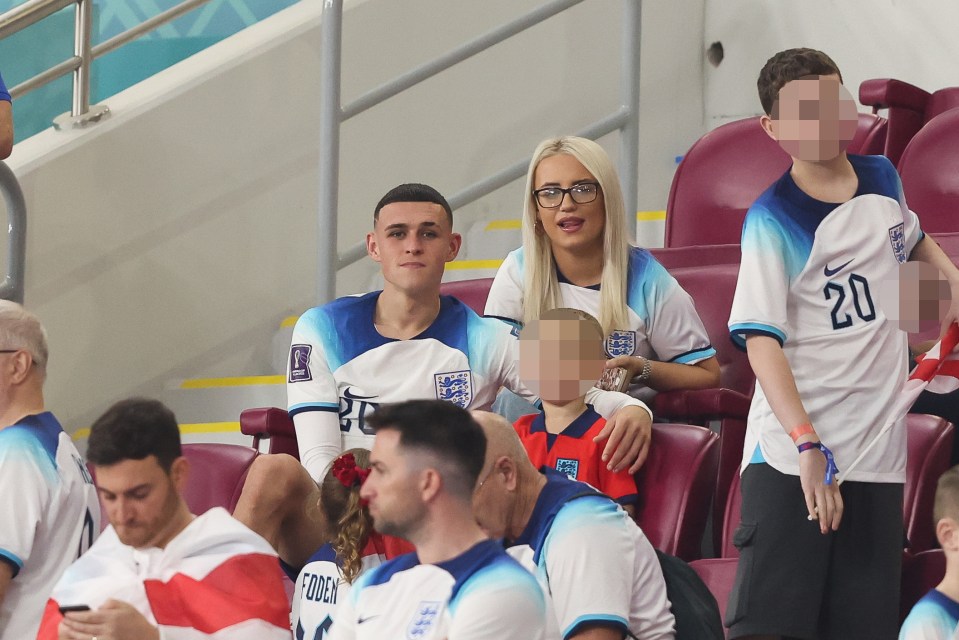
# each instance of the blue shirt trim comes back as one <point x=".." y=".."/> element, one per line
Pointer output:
<point x="41" y="427"/>
<point x="942" y="600"/>
<point x="757" y="457"/>
<point x="695" y="354"/>
<point x="739" y="330"/>
<point x="576" y="429"/>
<point x="12" y="560"/>
<point x="305" y="407"/>
<point x="591" y="620"/>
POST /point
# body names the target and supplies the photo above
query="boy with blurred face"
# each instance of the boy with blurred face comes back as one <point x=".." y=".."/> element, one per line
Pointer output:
<point x="830" y="364"/>
<point x="561" y="357"/>
<point x="159" y="571"/>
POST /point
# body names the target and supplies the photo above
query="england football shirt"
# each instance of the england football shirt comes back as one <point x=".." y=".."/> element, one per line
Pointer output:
<point x="49" y="515"/>
<point x="810" y="276"/>
<point x="594" y="564"/>
<point x="482" y="594"/>
<point x="573" y="453"/>
<point x="340" y="366"/>
<point x="663" y="323"/>
<point x="320" y="587"/>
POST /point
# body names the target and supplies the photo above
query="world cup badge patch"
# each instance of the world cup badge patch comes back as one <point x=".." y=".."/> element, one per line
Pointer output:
<point x="621" y="343"/>
<point x="897" y="238"/>
<point x="569" y="466"/>
<point x="423" y="620"/>
<point x="455" y="387"/>
<point x="300" y="363"/>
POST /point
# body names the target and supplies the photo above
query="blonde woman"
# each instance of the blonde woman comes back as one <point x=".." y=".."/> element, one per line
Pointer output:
<point x="353" y="546"/>
<point x="576" y="253"/>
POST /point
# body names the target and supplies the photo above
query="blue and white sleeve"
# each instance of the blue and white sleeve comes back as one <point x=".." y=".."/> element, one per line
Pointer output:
<point x="505" y="301"/>
<point x="26" y="481"/>
<point x="501" y="602"/>
<point x="676" y="332"/>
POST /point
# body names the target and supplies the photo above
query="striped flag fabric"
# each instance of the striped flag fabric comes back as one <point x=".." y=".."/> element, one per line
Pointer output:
<point x="215" y="580"/>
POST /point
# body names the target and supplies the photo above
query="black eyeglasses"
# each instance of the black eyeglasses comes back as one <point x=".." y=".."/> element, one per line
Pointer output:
<point x="552" y="197"/>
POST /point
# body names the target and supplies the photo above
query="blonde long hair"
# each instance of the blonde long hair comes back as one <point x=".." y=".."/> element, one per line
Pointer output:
<point x="347" y="516"/>
<point x="541" y="284"/>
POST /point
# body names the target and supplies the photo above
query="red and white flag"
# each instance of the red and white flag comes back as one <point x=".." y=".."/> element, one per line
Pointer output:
<point x="215" y="580"/>
<point x="937" y="371"/>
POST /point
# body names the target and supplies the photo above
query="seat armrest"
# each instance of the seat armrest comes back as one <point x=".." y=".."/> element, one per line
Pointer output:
<point x="266" y="422"/>
<point x="883" y="93"/>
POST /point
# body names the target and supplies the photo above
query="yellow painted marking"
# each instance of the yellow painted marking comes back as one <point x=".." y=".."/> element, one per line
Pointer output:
<point x="474" y="264"/>
<point x="241" y="381"/>
<point x="198" y="427"/>
<point x="496" y="225"/>
<point x="289" y="321"/>
<point x="646" y="216"/>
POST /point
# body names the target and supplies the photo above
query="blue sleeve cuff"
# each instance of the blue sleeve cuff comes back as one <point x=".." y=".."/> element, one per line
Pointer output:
<point x="738" y="333"/>
<point x="12" y="560"/>
<point x="691" y="357"/>
<point x="313" y="406"/>
<point x="599" y="620"/>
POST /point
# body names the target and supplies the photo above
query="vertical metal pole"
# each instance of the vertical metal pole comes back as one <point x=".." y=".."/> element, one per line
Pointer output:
<point x="330" y="115"/>
<point x="83" y="31"/>
<point x="629" y="139"/>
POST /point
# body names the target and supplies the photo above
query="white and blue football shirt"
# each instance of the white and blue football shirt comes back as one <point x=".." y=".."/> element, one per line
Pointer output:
<point x="809" y="278"/>
<point x="934" y="617"/>
<point x="663" y="323"/>
<point x="340" y="366"/>
<point x="594" y="564"/>
<point x="49" y="516"/>
<point x="482" y="594"/>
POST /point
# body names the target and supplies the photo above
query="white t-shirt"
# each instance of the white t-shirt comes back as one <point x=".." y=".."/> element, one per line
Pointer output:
<point x="340" y="369"/>
<point x="482" y="594"/>
<point x="320" y="588"/>
<point x="594" y="564"/>
<point x="809" y="277"/>
<point x="49" y="515"/>
<point x="663" y="323"/>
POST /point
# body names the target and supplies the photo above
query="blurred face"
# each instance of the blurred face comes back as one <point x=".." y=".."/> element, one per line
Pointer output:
<point x="560" y="360"/>
<point x="413" y="241"/>
<point x="570" y="225"/>
<point x="918" y="300"/>
<point x="141" y="499"/>
<point x="814" y="118"/>
<point x="392" y="489"/>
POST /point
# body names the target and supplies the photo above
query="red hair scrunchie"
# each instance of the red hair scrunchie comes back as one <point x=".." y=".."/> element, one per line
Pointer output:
<point x="346" y="471"/>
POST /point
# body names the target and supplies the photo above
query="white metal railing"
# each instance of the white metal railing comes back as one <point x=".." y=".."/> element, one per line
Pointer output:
<point x="81" y="112"/>
<point x="333" y="114"/>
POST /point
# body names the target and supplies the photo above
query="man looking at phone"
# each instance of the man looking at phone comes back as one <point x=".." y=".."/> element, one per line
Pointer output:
<point x="158" y="570"/>
<point x="48" y="506"/>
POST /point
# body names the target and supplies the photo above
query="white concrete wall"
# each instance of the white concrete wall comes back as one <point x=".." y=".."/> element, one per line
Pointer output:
<point x="169" y="241"/>
<point x="910" y="41"/>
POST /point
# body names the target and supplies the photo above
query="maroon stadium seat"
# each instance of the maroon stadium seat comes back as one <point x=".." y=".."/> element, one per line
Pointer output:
<point x="719" y="574"/>
<point x="726" y="170"/>
<point x="472" y="293"/>
<point x="724" y="409"/>
<point x="273" y="426"/>
<point x="217" y="474"/>
<point x="920" y="573"/>
<point x="680" y="257"/>
<point x="929" y="176"/>
<point x="676" y="486"/>
<point x="929" y="447"/>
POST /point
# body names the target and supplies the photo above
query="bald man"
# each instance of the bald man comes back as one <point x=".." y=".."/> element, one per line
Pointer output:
<point x="551" y="524"/>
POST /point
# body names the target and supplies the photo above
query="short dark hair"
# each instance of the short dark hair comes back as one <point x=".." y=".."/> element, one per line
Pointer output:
<point x="413" y="192"/>
<point x="946" y="503"/>
<point x="133" y="429"/>
<point x="789" y="65"/>
<point x="440" y="428"/>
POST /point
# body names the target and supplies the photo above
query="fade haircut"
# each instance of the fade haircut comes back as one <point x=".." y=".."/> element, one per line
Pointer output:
<point x="413" y="192"/>
<point x="789" y="65"/>
<point x="442" y="430"/>
<point x="133" y="429"/>
<point x="947" y="497"/>
<point x="20" y="329"/>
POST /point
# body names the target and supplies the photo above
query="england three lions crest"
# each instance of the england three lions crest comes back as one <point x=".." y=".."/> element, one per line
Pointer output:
<point x="455" y="387"/>
<point x="897" y="238"/>
<point x="621" y="343"/>
<point x="426" y="614"/>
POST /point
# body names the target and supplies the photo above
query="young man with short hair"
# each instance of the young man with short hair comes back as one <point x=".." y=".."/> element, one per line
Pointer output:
<point x="459" y="585"/>
<point x="816" y="562"/>
<point x="159" y="571"/>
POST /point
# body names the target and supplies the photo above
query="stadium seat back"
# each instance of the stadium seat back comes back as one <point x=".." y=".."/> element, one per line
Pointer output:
<point x="929" y="176"/>
<point x="920" y="573"/>
<point x="472" y="293"/>
<point x="929" y="447"/>
<point x="676" y="487"/>
<point x="724" y="172"/>
<point x="217" y="474"/>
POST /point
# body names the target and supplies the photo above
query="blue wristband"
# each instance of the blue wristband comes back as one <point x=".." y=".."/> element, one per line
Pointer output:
<point x="831" y="469"/>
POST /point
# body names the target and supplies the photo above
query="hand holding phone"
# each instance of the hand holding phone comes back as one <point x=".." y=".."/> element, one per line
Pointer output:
<point x="613" y="379"/>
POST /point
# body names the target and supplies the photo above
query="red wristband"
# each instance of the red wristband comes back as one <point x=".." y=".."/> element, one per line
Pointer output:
<point x="800" y="431"/>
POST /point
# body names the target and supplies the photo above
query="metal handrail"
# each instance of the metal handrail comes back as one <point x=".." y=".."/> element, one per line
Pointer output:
<point x="84" y="53"/>
<point x="12" y="286"/>
<point x="332" y="115"/>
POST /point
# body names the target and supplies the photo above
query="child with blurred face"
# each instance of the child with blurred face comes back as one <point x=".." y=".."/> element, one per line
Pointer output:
<point x="561" y="358"/>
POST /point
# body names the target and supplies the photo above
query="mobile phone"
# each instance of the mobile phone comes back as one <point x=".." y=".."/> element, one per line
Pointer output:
<point x="74" y="607"/>
<point x="614" y="379"/>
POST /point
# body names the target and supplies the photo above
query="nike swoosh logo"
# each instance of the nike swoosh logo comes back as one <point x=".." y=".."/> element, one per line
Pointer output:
<point x="366" y="619"/>
<point x="831" y="272"/>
